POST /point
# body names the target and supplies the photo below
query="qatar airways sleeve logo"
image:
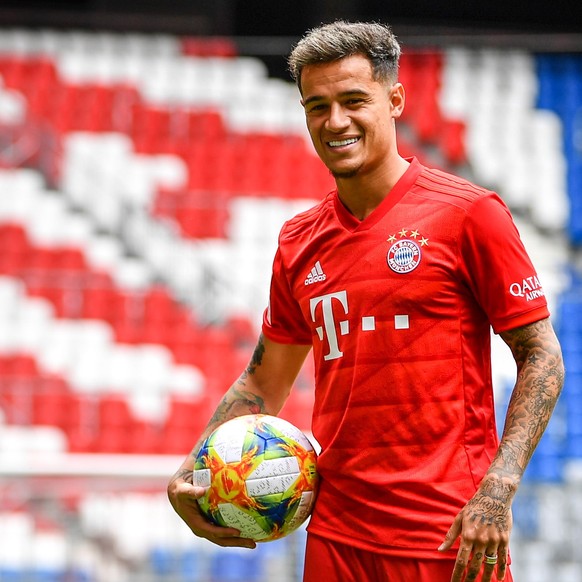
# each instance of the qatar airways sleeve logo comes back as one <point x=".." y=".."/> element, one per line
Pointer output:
<point x="529" y="288"/>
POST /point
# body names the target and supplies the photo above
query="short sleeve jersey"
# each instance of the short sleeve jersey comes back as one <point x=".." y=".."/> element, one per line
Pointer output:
<point x="398" y="308"/>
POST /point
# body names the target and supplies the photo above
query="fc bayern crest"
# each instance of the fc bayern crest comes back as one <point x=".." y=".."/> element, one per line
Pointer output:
<point x="403" y="256"/>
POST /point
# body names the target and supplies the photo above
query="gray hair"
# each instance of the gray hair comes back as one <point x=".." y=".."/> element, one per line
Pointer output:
<point x="339" y="39"/>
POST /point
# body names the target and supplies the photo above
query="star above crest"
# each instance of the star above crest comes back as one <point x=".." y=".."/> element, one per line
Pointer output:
<point x="413" y="234"/>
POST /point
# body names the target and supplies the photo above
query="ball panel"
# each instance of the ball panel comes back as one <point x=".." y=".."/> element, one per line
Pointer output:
<point x="278" y="447"/>
<point x="246" y="523"/>
<point x="269" y="502"/>
<point x="202" y="477"/>
<point x="289" y="431"/>
<point x="302" y="511"/>
<point x="228" y="441"/>
<point x="275" y="468"/>
<point x="272" y="484"/>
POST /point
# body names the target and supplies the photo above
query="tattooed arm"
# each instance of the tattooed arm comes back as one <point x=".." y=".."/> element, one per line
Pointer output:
<point x="263" y="387"/>
<point x="484" y="524"/>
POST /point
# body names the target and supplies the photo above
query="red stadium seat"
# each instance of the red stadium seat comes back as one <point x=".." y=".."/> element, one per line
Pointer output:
<point x="113" y="439"/>
<point x="208" y="47"/>
<point x="51" y="408"/>
<point x="143" y="438"/>
<point x="452" y="141"/>
<point x="113" y="410"/>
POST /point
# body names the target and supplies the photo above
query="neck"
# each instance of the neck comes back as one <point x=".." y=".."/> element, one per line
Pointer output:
<point x="361" y="195"/>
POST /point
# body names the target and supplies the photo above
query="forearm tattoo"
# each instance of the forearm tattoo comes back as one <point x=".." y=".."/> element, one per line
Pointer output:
<point x="255" y="362"/>
<point x="182" y="473"/>
<point x="235" y="402"/>
<point x="540" y="377"/>
<point x="238" y="401"/>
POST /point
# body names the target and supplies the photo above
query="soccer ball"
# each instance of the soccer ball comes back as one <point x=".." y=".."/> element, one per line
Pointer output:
<point x="261" y="474"/>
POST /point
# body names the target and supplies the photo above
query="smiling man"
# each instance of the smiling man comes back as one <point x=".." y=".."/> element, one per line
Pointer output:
<point x="350" y="118"/>
<point x="394" y="281"/>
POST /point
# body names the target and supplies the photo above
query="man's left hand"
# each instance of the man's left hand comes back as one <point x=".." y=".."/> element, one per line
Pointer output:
<point x="484" y="526"/>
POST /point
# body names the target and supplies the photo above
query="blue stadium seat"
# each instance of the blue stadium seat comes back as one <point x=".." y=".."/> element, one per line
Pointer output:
<point x="560" y="90"/>
<point x="544" y="468"/>
<point x="163" y="561"/>
<point x="192" y="567"/>
<point x="574" y="447"/>
<point x="547" y="461"/>
<point x="236" y="566"/>
<point x="572" y="398"/>
<point x="570" y="313"/>
<point x="44" y="575"/>
<point x="575" y="188"/>
<point x="526" y="514"/>
<point x="78" y="576"/>
<point x="570" y="333"/>
<point x="11" y="574"/>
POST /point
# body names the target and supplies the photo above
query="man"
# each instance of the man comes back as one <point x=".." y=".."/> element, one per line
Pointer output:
<point x="414" y="266"/>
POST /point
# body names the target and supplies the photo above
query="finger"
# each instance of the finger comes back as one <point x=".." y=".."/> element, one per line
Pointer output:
<point x="189" y="490"/>
<point x="218" y="531"/>
<point x="233" y="542"/>
<point x="490" y="560"/>
<point x="225" y="536"/>
<point x="452" y="534"/>
<point x="461" y="564"/>
<point x="222" y="536"/>
<point x="200" y="524"/>
<point x="501" y="562"/>
<point x="205" y="526"/>
<point x="475" y="564"/>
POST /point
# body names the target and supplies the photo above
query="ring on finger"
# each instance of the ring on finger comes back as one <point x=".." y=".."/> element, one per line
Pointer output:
<point x="490" y="560"/>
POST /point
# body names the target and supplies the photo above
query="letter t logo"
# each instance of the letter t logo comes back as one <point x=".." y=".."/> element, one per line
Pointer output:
<point x="329" y="325"/>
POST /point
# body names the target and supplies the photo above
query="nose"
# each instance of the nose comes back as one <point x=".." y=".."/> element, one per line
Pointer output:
<point x="337" y="120"/>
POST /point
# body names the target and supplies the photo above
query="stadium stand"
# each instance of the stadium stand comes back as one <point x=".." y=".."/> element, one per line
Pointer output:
<point x="143" y="181"/>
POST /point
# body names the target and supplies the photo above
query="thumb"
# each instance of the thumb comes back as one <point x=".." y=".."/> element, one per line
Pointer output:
<point x="198" y="491"/>
<point x="452" y="535"/>
<point x="190" y="490"/>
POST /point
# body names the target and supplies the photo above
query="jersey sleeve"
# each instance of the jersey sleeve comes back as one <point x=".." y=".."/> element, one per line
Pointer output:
<point x="497" y="267"/>
<point x="283" y="320"/>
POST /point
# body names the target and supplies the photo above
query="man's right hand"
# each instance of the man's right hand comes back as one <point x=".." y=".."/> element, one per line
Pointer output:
<point x="184" y="497"/>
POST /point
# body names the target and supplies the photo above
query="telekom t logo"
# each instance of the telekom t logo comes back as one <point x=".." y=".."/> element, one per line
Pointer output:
<point x="328" y="329"/>
<point x="322" y="308"/>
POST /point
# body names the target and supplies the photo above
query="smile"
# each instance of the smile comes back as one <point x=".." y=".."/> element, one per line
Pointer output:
<point x="343" y="142"/>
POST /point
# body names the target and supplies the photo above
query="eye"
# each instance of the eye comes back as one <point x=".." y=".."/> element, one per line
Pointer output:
<point x="316" y="107"/>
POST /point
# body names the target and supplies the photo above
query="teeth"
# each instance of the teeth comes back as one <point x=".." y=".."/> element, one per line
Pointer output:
<point x="343" y="142"/>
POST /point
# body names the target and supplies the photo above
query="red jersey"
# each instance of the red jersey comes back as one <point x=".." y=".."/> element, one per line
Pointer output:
<point x="398" y="308"/>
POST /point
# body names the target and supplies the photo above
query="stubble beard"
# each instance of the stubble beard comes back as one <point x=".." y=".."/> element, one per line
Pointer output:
<point x="344" y="174"/>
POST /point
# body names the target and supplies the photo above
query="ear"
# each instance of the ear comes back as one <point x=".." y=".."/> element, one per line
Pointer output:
<point x="397" y="99"/>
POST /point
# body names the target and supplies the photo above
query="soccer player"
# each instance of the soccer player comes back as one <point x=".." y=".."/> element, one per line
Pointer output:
<point x="394" y="281"/>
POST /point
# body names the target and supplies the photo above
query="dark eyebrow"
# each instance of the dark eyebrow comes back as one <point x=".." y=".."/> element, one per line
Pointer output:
<point x="350" y="93"/>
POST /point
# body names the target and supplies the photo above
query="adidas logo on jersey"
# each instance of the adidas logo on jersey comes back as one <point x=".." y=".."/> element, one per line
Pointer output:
<point x="316" y="275"/>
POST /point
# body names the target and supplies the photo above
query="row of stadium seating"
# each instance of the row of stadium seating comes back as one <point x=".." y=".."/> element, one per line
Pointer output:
<point x="146" y="547"/>
<point x="449" y="97"/>
<point x="137" y="257"/>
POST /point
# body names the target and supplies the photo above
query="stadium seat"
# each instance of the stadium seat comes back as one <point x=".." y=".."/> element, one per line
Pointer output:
<point x="236" y="566"/>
